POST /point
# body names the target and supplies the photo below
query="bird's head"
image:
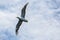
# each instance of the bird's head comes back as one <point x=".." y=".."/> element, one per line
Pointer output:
<point x="18" y="17"/>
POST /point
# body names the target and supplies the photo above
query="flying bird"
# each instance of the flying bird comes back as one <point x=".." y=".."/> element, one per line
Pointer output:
<point x="22" y="19"/>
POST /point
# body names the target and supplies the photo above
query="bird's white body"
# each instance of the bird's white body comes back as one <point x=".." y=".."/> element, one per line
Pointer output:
<point x="23" y="19"/>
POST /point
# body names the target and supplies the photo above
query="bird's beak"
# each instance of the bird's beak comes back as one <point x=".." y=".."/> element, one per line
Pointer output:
<point x="16" y="17"/>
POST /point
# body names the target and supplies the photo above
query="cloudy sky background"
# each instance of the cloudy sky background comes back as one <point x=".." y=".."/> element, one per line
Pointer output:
<point x="43" y="20"/>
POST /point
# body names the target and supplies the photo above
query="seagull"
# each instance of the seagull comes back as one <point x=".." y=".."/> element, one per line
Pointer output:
<point x="22" y="19"/>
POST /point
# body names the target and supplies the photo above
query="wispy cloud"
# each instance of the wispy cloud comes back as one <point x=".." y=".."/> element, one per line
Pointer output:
<point x="43" y="20"/>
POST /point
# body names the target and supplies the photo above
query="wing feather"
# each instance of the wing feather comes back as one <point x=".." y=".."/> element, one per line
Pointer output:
<point x="23" y="11"/>
<point x="18" y="26"/>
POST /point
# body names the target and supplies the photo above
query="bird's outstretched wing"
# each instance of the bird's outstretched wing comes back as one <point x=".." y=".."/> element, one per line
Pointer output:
<point x="23" y="11"/>
<point x="18" y="26"/>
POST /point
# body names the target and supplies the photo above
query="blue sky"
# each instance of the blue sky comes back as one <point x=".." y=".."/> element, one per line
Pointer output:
<point x="43" y="20"/>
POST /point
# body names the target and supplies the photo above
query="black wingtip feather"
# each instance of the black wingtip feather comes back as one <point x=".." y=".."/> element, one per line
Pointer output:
<point x="16" y="32"/>
<point x="26" y="5"/>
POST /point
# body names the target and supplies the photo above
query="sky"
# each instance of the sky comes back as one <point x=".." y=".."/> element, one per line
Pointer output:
<point x="43" y="20"/>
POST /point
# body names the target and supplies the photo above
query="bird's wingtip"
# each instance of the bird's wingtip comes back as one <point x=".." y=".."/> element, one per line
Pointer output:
<point x="27" y="3"/>
<point x="16" y="33"/>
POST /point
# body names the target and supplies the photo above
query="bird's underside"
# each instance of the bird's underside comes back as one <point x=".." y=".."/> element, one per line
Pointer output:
<point x="21" y="19"/>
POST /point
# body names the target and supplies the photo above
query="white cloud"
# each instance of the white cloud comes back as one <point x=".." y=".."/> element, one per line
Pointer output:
<point x="42" y="25"/>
